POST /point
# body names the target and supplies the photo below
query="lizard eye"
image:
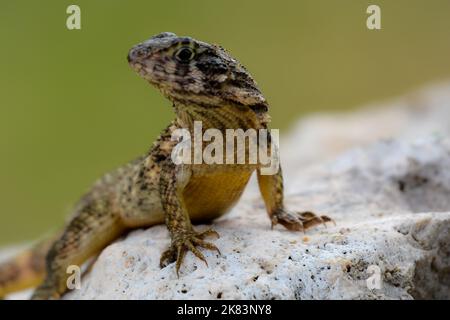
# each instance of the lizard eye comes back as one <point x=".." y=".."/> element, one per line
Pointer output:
<point x="184" y="54"/>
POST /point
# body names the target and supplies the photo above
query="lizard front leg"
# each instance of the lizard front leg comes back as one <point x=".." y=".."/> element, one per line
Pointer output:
<point x="184" y="238"/>
<point x="271" y="187"/>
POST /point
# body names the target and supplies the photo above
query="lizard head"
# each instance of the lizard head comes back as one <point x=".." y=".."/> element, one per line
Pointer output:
<point x="192" y="72"/>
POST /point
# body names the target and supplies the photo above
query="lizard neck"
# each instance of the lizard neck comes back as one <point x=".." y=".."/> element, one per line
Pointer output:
<point x="221" y="117"/>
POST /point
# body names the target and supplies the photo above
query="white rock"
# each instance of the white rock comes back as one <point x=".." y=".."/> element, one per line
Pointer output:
<point x="389" y="204"/>
<point x="390" y="201"/>
<point x="324" y="136"/>
<point x="382" y="174"/>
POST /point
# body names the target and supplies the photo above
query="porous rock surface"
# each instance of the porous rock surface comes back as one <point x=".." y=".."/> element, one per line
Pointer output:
<point x="383" y="175"/>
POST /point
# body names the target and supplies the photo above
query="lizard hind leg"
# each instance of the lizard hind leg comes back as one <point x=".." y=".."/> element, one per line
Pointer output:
<point x="92" y="229"/>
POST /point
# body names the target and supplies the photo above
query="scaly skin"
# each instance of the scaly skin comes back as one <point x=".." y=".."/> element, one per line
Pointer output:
<point x="206" y="84"/>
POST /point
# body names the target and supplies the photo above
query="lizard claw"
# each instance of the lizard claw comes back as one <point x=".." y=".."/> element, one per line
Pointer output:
<point x="299" y="221"/>
<point x="188" y="241"/>
<point x="208" y="232"/>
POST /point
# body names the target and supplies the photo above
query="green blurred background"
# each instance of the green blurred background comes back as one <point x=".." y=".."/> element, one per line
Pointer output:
<point x="72" y="109"/>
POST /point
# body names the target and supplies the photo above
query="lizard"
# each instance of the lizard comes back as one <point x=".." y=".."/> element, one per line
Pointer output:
<point x="204" y="83"/>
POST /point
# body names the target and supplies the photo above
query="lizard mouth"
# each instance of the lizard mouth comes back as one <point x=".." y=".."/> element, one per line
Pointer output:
<point x="138" y="59"/>
<point x="139" y="68"/>
<point x="143" y="71"/>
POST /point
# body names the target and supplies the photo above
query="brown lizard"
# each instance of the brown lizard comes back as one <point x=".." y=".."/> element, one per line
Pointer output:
<point x="204" y="83"/>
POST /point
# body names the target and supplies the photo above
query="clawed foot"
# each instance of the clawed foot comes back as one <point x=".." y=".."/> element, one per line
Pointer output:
<point x="188" y="240"/>
<point x="299" y="221"/>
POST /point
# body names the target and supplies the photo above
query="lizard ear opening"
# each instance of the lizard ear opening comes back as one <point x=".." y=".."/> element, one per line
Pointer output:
<point x="260" y="107"/>
<point x="241" y="88"/>
<point x="244" y="95"/>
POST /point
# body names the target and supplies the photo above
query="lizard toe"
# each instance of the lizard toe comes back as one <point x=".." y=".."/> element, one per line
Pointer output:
<point x="299" y="221"/>
<point x="189" y="241"/>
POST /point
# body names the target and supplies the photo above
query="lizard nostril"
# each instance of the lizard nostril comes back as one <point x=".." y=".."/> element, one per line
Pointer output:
<point x="131" y="55"/>
<point x="136" y="53"/>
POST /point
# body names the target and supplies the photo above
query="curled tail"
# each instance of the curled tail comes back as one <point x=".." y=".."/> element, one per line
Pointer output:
<point x="25" y="270"/>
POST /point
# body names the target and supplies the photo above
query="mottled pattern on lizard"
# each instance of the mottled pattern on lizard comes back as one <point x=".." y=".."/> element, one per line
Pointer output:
<point x="204" y="83"/>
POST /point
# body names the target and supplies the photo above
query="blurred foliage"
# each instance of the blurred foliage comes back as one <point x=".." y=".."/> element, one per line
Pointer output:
<point x="72" y="109"/>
